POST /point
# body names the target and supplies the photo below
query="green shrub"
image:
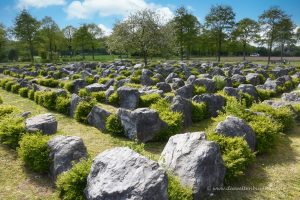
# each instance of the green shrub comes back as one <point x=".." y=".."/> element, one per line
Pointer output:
<point x="34" y="152"/>
<point x="198" y="90"/>
<point x="233" y="107"/>
<point x="246" y="99"/>
<point x="120" y="78"/>
<point x="48" y="82"/>
<point x="82" y="110"/>
<point x="172" y="119"/>
<point x="71" y="184"/>
<point x="296" y="108"/>
<point x="11" y="130"/>
<point x="125" y="73"/>
<point x="23" y="92"/>
<point x="1" y="101"/>
<point x="99" y="96"/>
<point x="38" y="97"/>
<point x="282" y="115"/>
<point x="62" y="105"/>
<point x="76" y="76"/>
<point x="103" y="80"/>
<point x="199" y="111"/>
<point x="113" y="125"/>
<point x="113" y="98"/>
<point x="265" y="94"/>
<point x="135" y="79"/>
<point x="267" y="132"/>
<point x="133" y="85"/>
<point x="8" y="85"/>
<point x="31" y="94"/>
<point x="84" y="93"/>
<point x="69" y="86"/>
<point x="89" y="80"/>
<point x="15" y="88"/>
<point x="176" y="191"/>
<point x="219" y="82"/>
<point x="147" y="99"/>
<point x="49" y="100"/>
<point x="4" y="81"/>
<point x="7" y="109"/>
<point x="236" y="154"/>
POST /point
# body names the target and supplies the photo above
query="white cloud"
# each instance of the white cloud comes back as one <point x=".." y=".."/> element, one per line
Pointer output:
<point x="107" y="31"/>
<point x="39" y="3"/>
<point x="87" y="8"/>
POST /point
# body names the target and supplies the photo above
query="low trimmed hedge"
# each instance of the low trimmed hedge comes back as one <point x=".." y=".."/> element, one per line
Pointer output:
<point x="99" y="96"/>
<point x="199" y="111"/>
<point x="82" y="110"/>
<point x="71" y="184"/>
<point x="23" y="92"/>
<point x="113" y="125"/>
<point x="48" y="82"/>
<point x="63" y="105"/>
<point x="198" y="90"/>
<point x="176" y="191"/>
<point x="34" y="152"/>
<point x="147" y="99"/>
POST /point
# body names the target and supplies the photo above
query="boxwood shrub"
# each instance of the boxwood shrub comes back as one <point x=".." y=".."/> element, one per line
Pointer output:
<point x="198" y="90"/>
<point x="99" y="96"/>
<point x="34" y="152"/>
<point x="176" y="191"/>
<point x="71" y="184"/>
<point x="62" y="105"/>
<point x="69" y="86"/>
<point x="49" y="100"/>
<point x="199" y="111"/>
<point x="265" y="94"/>
<point x="8" y="85"/>
<point x="23" y="92"/>
<point x="147" y="99"/>
<point x="113" y="99"/>
<point x="236" y="155"/>
<point x="15" y="88"/>
<point x="31" y="94"/>
<point x="83" y="109"/>
<point x="48" y="82"/>
<point x="113" y="125"/>
<point x="172" y="119"/>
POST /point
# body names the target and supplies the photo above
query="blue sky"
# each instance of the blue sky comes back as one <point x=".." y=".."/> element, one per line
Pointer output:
<point x="106" y="12"/>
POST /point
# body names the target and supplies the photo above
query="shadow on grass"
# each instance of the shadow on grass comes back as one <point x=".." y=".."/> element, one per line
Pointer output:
<point x="256" y="182"/>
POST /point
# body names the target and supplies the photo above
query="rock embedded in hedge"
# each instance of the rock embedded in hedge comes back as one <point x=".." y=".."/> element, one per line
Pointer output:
<point x="128" y="97"/>
<point x="214" y="102"/>
<point x="185" y="91"/>
<point x="183" y="106"/>
<point x="249" y="89"/>
<point x="97" y="117"/>
<point x="65" y="151"/>
<point x="121" y="173"/>
<point x="209" y="84"/>
<point x="142" y="124"/>
<point x="46" y="123"/>
<point x="75" y="99"/>
<point x="197" y="162"/>
<point x="236" y="127"/>
<point x="78" y="84"/>
<point x="165" y="87"/>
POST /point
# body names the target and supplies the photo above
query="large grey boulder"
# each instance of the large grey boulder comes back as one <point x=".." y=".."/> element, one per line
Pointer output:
<point x="230" y="91"/>
<point x="170" y="77"/>
<point x="75" y="99"/>
<point x="165" y="87"/>
<point x="214" y="102"/>
<point x="253" y="78"/>
<point x="233" y="127"/>
<point x="237" y="78"/>
<point x="197" y="162"/>
<point x="64" y="152"/>
<point x="97" y="117"/>
<point x="209" y="84"/>
<point x="78" y="84"/>
<point x="291" y="97"/>
<point x="121" y="173"/>
<point x="185" y="91"/>
<point x="46" y="123"/>
<point x="142" y="124"/>
<point x="96" y="87"/>
<point x="177" y="83"/>
<point x="128" y="97"/>
<point x="183" y="106"/>
<point x="249" y="89"/>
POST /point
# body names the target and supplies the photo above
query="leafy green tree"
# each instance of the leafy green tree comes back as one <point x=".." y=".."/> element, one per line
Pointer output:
<point x="269" y="22"/>
<point x="82" y="38"/>
<point x="187" y="28"/>
<point x="50" y="31"/>
<point x="26" y="30"/>
<point x="220" y="21"/>
<point x="285" y="33"/>
<point x="68" y="32"/>
<point x="95" y="33"/>
<point x="246" y="31"/>
<point x="13" y="55"/>
<point x="3" y="40"/>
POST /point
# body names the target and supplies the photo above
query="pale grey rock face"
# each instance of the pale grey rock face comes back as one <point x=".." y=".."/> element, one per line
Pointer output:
<point x="214" y="102"/>
<point x="164" y="87"/>
<point x="96" y="87"/>
<point x="185" y="91"/>
<point x="209" y="84"/>
<point x="46" y="123"/>
<point x="64" y="152"/>
<point x="75" y="99"/>
<point x="196" y="161"/>
<point x="233" y="126"/>
<point x="122" y="174"/>
<point x="183" y="106"/>
<point x="97" y="117"/>
<point x="128" y="97"/>
<point x="142" y="124"/>
<point x="249" y="89"/>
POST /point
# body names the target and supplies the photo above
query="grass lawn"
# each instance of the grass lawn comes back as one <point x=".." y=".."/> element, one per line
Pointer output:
<point x="279" y="171"/>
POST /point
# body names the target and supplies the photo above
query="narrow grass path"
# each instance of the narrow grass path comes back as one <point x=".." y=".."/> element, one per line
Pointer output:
<point x="275" y="175"/>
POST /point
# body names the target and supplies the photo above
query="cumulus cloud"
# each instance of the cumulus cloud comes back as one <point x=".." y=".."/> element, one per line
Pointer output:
<point x="87" y="8"/>
<point x="39" y="3"/>
<point x="107" y="31"/>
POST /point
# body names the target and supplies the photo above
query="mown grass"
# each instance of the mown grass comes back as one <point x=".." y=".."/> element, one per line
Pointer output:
<point x="278" y="172"/>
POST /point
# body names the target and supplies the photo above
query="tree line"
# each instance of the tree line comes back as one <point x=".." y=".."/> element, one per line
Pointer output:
<point x="146" y="33"/>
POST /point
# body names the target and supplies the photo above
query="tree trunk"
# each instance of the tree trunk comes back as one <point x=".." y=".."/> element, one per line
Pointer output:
<point x="51" y="55"/>
<point x="145" y="58"/>
<point x="219" y="46"/>
<point x="93" y="52"/>
<point x="181" y="53"/>
<point x="31" y="51"/>
<point x="244" y="51"/>
<point x="270" y="51"/>
<point x="281" y="52"/>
